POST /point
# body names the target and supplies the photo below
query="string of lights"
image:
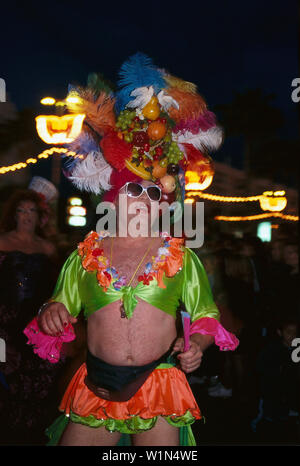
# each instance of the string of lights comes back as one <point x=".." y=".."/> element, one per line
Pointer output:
<point x="215" y="197"/>
<point x="43" y="155"/>
<point x="224" y="218"/>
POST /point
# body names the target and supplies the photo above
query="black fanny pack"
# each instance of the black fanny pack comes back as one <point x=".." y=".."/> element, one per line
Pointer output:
<point x="122" y="382"/>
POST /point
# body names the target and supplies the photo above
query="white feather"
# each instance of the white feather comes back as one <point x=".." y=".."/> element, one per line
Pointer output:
<point x="166" y="101"/>
<point x="92" y="174"/>
<point x="210" y="140"/>
<point x="142" y="97"/>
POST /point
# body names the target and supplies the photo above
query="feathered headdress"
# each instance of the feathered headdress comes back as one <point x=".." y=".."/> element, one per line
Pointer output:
<point x="155" y="126"/>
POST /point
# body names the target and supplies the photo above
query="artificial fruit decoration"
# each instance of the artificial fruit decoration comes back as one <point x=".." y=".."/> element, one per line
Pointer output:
<point x="168" y="183"/>
<point x="156" y="130"/>
<point x="152" y="109"/>
<point x="158" y="171"/>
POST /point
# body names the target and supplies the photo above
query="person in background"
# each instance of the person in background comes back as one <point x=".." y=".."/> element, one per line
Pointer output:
<point x="27" y="277"/>
<point x="235" y="299"/>
<point x="230" y="277"/>
<point x="279" y="376"/>
<point x="255" y="250"/>
<point x="291" y="279"/>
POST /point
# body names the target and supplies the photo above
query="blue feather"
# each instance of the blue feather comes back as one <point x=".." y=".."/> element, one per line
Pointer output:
<point x="137" y="71"/>
<point x="86" y="144"/>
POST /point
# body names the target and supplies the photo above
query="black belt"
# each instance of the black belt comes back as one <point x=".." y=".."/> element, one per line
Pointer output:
<point x="121" y="382"/>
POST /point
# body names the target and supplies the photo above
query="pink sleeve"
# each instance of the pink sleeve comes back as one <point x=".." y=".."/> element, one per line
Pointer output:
<point x="209" y="326"/>
<point x="46" y="346"/>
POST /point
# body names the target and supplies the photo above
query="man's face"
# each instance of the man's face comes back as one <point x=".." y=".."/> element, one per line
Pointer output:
<point x="136" y="206"/>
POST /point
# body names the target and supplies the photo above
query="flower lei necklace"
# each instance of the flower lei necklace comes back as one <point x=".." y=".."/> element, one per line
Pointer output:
<point x="168" y="260"/>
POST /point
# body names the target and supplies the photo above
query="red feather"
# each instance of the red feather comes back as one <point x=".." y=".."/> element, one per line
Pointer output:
<point x="192" y="153"/>
<point x="115" y="150"/>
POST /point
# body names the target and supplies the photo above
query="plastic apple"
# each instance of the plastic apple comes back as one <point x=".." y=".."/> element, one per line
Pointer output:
<point x="158" y="171"/>
<point x="168" y="184"/>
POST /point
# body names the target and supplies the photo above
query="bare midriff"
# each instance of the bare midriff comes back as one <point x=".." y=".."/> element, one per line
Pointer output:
<point x="130" y="342"/>
<point x="143" y="338"/>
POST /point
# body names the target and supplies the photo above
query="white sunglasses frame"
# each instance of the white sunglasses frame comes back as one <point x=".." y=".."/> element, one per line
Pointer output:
<point x="144" y="190"/>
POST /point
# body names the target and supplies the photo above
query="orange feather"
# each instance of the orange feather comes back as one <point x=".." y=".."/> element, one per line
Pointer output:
<point x="99" y="113"/>
<point x="191" y="106"/>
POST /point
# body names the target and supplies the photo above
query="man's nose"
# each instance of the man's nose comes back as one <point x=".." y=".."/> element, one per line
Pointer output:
<point x="144" y="197"/>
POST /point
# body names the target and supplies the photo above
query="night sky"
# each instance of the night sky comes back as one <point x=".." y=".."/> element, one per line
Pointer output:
<point x="222" y="46"/>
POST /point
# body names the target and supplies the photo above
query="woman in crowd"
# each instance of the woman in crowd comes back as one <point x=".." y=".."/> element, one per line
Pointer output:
<point x="27" y="274"/>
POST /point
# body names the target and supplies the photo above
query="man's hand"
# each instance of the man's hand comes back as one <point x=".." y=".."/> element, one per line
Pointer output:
<point x="191" y="359"/>
<point x="54" y="318"/>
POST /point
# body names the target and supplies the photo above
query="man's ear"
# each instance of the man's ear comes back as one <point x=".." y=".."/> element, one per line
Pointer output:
<point x="279" y="332"/>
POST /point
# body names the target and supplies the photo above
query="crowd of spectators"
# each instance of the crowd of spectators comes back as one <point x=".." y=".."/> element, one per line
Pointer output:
<point x="255" y="285"/>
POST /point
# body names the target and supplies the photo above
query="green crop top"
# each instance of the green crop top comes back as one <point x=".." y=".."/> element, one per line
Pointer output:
<point x="79" y="289"/>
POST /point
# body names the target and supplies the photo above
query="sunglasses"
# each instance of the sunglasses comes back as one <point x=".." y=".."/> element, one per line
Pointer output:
<point x="136" y="190"/>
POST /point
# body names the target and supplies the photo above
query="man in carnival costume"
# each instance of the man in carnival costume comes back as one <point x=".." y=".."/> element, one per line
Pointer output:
<point x="137" y="142"/>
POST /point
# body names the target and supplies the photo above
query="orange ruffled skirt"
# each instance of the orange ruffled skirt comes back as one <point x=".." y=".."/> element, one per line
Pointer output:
<point x="166" y="392"/>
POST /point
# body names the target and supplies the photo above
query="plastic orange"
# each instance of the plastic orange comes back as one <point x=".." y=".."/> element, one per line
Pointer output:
<point x="158" y="171"/>
<point x="156" y="130"/>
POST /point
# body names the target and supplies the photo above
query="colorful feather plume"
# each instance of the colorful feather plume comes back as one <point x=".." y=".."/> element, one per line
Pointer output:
<point x="206" y="141"/>
<point x="191" y="106"/>
<point x="137" y="71"/>
<point x="107" y="142"/>
<point x="98" y="83"/>
<point x="115" y="150"/>
<point x="92" y="174"/>
<point x="99" y="110"/>
<point x="203" y="123"/>
<point x="142" y="97"/>
<point x="185" y="86"/>
<point x="166" y="101"/>
<point x="82" y="146"/>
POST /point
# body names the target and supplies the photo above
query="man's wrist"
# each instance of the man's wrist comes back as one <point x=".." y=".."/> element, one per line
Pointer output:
<point x="203" y="341"/>
<point x="42" y="308"/>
